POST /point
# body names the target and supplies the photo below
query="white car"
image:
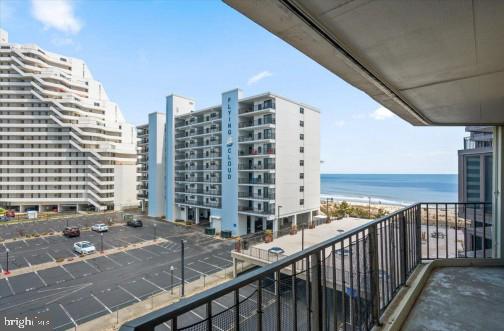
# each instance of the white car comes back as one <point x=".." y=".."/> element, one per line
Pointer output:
<point x="100" y="227"/>
<point x="84" y="247"/>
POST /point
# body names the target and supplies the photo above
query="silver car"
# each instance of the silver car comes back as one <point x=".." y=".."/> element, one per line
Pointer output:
<point x="84" y="247"/>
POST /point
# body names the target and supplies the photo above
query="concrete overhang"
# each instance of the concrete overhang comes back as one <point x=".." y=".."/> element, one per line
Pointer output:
<point x="430" y="62"/>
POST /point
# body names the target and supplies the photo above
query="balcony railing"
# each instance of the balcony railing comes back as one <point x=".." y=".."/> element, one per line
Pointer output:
<point x="268" y="181"/>
<point x="245" y="166"/>
<point x="343" y="283"/>
<point x="266" y="196"/>
<point x="257" y="122"/>
<point x="253" y="152"/>
<point x="256" y="137"/>
<point x="267" y="211"/>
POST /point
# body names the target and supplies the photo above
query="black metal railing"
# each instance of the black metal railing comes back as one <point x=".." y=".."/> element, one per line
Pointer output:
<point x="343" y="283"/>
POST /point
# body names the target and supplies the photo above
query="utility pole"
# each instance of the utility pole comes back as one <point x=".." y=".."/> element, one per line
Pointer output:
<point x="182" y="266"/>
<point x="155" y="231"/>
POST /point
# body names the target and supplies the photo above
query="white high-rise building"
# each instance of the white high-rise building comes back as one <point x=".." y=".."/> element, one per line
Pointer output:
<point x="245" y="165"/>
<point x="63" y="143"/>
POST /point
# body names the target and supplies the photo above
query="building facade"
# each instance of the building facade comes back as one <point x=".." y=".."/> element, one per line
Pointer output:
<point x="142" y="165"/>
<point x="64" y="144"/>
<point x="246" y="165"/>
<point x="475" y="165"/>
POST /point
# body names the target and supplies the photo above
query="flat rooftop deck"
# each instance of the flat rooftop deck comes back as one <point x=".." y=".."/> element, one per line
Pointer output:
<point x="460" y="298"/>
<point x="292" y="243"/>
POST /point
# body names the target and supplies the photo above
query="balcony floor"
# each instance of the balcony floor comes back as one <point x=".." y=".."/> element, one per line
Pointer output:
<point x="460" y="298"/>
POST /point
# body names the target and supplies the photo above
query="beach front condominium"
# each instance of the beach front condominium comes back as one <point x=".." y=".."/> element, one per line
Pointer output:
<point x="245" y="165"/>
<point x="63" y="143"/>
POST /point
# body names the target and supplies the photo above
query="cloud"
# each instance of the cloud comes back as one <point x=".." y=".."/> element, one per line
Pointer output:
<point x="56" y="41"/>
<point x="57" y="14"/>
<point x="259" y="76"/>
<point x="339" y="123"/>
<point x="381" y="114"/>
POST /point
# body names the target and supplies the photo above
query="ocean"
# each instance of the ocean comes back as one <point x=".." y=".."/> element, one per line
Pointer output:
<point x="389" y="189"/>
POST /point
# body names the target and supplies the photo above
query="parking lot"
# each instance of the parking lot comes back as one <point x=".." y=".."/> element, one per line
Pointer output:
<point x="86" y="289"/>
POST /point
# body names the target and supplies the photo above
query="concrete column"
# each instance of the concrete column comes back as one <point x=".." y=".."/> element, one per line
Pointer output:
<point x="294" y="219"/>
<point x="196" y="215"/>
<point x="498" y="187"/>
<point x="310" y="217"/>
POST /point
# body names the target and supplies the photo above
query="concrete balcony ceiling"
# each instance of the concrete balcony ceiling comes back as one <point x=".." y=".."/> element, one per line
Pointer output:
<point x="429" y="62"/>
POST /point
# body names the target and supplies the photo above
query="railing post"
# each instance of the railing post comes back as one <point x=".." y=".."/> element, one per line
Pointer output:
<point x="316" y="292"/>
<point x="375" y="274"/>
<point x="403" y="247"/>
<point x="418" y="232"/>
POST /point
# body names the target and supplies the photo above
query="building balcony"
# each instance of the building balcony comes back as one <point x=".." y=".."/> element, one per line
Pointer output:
<point x="258" y="109"/>
<point x="255" y="138"/>
<point x="256" y="123"/>
<point x="256" y="211"/>
<point x="255" y="152"/>
<point x="245" y="166"/>
<point x="264" y="196"/>
<point x="403" y="271"/>
<point x="258" y="181"/>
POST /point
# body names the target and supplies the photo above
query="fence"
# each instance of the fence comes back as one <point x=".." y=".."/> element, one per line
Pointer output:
<point x="344" y="282"/>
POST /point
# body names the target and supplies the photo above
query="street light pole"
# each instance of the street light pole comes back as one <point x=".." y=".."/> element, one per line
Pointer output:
<point x="171" y="279"/>
<point x="101" y="239"/>
<point x="155" y="231"/>
<point x="182" y="265"/>
<point x="278" y="219"/>
<point x="7" y="272"/>
<point x="369" y="207"/>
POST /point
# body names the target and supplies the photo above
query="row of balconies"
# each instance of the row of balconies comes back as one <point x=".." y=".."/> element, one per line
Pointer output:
<point x="198" y="191"/>
<point x="256" y="210"/>
<point x="194" y="156"/>
<point x="197" y="132"/>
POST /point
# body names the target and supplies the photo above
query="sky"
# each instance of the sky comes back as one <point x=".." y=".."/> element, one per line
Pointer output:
<point x="144" y="50"/>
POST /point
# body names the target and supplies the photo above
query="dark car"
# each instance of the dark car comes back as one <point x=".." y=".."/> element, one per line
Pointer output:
<point x="135" y="223"/>
<point x="71" y="231"/>
<point x="4" y="218"/>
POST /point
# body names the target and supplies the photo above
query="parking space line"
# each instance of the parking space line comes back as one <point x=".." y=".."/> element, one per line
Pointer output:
<point x="10" y="286"/>
<point x="212" y="265"/>
<point x="111" y="259"/>
<point x="41" y="279"/>
<point x="133" y="256"/>
<point x="201" y="273"/>
<point x="52" y="257"/>
<point x="148" y="251"/>
<point x="167" y="325"/>
<point x="154" y="284"/>
<point x="44" y="239"/>
<point x="26" y="243"/>
<point x="166" y="272"/>
<point x="101" y="303"/>
<point x="128" y="292"/>
<point x="28" y="262"/>
<point x="92" y="266"/>
<point x="68" y="272"/>
<point x="68" y="314"/>
<point x="221" y="258"/>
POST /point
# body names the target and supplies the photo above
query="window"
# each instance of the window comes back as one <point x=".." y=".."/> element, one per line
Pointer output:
<point x="301" y="175"/>
<point x="301" y="123"/>
<point x="301" y="110"/>
<point x="301" y="136"/>
<point x="301" y="202"/>
<point x="301" y="149"/>
<point x="301" y="189"/>
<point x="301" y="162"/>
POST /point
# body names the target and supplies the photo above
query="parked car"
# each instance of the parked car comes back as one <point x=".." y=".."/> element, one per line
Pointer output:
<point x="84" y="247"/>
<point x="276" y="250"/>
<point x="71" y="231"/>
<point x="4" y="218"/>
<point x="100" y="227"/>
<point x="136" y="223"/>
